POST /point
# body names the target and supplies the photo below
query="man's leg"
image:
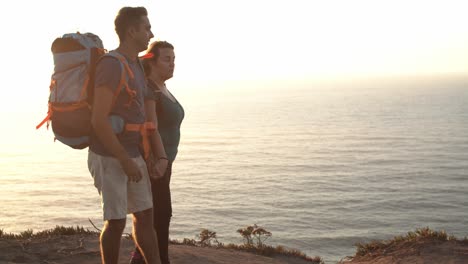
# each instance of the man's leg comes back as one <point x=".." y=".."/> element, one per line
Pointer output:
<point x="145" y="236"/>
<point x="111" y="182"/>
<point x="161" y="225"/>
<point x="110" y="240"/>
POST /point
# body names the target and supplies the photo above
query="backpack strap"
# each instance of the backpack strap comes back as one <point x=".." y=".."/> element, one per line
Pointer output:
<point x="63" y="107"/>
<point x="145" y="129"/>
<point x="45" y="120"/>
<point x="49" y="110"/>
<point x="125" y="74"/>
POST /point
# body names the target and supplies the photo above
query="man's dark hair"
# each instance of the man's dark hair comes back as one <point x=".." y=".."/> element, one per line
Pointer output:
<point x="128" y="17"/>
<point x="154" y="48"/>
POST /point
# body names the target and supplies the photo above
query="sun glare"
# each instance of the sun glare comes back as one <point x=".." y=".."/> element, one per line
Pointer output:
<point x="261" y="39"/>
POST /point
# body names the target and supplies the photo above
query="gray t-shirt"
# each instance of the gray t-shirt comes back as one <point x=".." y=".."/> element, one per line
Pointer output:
<point x="170" y="115"/>
<point x="108" y="73"/>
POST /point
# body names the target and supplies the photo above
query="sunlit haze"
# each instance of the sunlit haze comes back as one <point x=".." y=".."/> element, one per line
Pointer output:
<point x="250" y="40"/>
<point x="329" y="123"/>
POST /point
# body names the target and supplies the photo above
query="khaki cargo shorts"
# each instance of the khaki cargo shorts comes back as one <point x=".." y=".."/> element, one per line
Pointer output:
<point x="119" y="197"/>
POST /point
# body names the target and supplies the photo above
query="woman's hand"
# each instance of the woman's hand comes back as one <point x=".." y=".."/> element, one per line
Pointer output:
<point x="157" y="168"/>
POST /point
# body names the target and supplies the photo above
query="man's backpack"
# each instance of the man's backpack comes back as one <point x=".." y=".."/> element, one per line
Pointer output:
<point x="71" y="90"/>
<point x="71" y="87"/>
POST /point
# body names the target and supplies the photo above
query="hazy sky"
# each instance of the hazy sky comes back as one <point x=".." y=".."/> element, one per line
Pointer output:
<point x="253" y="39"/>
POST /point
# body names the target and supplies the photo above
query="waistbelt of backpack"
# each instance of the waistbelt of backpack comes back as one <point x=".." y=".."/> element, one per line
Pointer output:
<point x="145" y="131"/>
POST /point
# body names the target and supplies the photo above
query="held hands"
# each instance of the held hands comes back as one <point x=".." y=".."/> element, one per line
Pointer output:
<point x="131" y="169"/>
<point x="157" y="167"/>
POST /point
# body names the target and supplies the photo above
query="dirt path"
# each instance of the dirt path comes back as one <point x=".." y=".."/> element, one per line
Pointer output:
<point x="84" y="249"/>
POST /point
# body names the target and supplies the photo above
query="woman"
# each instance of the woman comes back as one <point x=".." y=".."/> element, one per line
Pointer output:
<point x="168" y="114"/>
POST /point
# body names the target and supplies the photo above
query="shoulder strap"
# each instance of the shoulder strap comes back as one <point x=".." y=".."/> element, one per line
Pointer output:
<point x="123" y="62"/>
<point x="142" y="67"/>
<point x="125" y="74"/>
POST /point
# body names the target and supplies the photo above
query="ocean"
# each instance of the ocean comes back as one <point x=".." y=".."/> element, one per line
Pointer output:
<point x="321" y="165"/>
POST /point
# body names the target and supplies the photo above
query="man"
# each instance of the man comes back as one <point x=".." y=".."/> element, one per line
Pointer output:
<point x="114" y="160"/>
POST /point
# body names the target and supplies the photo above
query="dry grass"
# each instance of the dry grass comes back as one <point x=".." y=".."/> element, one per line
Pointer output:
<point x="422" y="234"/>
<point x="208" y="238"/>
<point x="57" y="231"/>
<point x="264" y="250"/>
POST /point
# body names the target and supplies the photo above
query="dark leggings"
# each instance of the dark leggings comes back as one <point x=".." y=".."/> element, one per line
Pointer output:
<point x="162" y="209"/>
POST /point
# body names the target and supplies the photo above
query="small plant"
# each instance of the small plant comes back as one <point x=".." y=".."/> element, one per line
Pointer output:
<point x="26" y="234"/>
<point x="259" y="235"/>
<point x="5" y="235"/>
<point x="251" y="233"/>
<point x="189" y="242"/>
<point x="246" y="233"/>
<point x="206" y="237"/>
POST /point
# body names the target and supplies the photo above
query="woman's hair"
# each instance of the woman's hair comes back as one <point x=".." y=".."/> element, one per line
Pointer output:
<point x="128" y="17"/>
<point x="153" y="52"/>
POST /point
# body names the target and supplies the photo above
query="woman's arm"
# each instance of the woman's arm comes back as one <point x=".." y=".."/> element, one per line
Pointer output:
<point x="157" y="164"/>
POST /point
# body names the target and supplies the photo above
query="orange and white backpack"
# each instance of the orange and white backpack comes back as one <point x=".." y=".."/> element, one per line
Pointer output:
<point x="72" y="85"/>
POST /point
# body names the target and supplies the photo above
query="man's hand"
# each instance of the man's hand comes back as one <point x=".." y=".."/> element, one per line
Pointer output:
<point x="131" y="169"/>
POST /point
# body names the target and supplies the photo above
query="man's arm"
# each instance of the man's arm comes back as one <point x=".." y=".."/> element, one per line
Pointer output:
<point x="103" y="97"/>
